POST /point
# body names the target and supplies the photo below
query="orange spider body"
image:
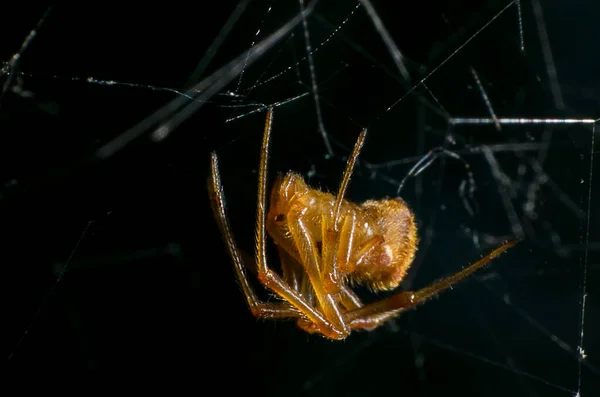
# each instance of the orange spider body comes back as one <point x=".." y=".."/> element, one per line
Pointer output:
<point x="378" y="244"/>
<point x="325" y="243"/>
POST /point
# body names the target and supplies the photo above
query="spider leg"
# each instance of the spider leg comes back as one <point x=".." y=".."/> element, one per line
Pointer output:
<point x="291" y="269"/>
<point x="295" y="276"/>
<point x="374" y="313"/>
<point x="338" y="259"/>
<point x="266" y="276"/>
<point x="366" y="249"/>
<point x="347" y="175"/>
<point x="258" y="308"/>
<point x="303" y="287"/>
<point x="373" y="321"/>
<point x="311" y="260"/>
<point x="336" y="250"/>
<point x="349" y="299"/>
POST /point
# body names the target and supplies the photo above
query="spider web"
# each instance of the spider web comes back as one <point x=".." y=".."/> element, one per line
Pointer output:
<point x="114" y="260"/>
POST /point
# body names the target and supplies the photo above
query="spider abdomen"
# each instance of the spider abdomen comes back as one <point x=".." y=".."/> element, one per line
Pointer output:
<point x="386" y="265"/>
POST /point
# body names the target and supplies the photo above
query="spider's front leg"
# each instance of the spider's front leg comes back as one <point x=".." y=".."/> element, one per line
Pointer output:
<point x="295" y="305"/>
<point x="257" y="307"/>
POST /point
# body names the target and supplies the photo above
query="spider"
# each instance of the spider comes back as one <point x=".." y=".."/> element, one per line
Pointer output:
<point x="326" y="243"/>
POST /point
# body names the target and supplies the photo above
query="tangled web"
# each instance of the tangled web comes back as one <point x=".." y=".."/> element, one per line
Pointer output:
<point x="481" y="115"/>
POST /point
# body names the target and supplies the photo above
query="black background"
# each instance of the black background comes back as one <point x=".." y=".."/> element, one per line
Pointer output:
<point x="114" y="268"/>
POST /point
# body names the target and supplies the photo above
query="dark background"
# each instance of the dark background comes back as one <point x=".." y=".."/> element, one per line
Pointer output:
<point x="114" y="268"/>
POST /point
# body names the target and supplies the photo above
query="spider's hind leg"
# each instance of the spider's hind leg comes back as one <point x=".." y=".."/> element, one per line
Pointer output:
<point x="375" y="313"/>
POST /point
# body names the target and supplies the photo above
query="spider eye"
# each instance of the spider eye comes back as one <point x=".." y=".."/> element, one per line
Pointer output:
<point x="279" y="218"/>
